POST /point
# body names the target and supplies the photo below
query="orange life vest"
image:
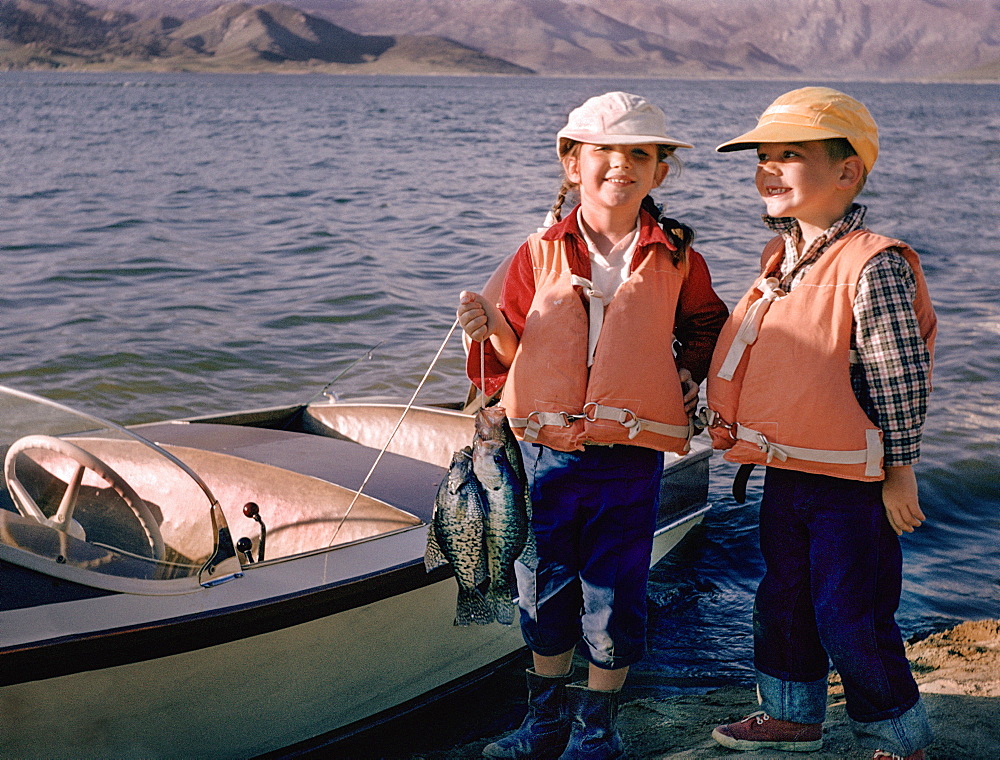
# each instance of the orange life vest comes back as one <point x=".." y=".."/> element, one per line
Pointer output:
<point x="631" y="394"/>
<point x="779" y="386"/>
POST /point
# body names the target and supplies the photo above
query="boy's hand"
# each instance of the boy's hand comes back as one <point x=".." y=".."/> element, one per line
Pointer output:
<point x="690" y="389"/>
<point x="477" y="317"/>
<point x="899" y="495"/>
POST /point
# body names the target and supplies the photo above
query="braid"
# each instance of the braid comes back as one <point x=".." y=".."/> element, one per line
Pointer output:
<point x="564" y="190"/>
<point x="680" y="235"/>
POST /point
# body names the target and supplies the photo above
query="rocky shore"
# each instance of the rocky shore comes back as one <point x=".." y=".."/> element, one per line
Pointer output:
<point x="959" y="675"/>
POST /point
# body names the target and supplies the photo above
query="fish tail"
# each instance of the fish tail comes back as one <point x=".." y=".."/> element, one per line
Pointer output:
<point x="501" y="604"/>
<point x="472" y="607"/>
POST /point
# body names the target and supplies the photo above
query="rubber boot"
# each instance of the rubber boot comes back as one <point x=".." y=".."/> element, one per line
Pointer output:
<point x="594" y="734"/>
<point x="545" y="730"/>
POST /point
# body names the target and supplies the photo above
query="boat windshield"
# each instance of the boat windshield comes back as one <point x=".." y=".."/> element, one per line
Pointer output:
<point x="87" y="500"/>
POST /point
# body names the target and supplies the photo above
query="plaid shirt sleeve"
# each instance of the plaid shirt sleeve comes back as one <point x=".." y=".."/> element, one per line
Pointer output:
<point x="892" y="377"/>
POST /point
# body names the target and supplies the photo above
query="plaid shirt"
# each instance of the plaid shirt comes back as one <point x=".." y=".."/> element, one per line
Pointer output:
<point x="891" y="379"/>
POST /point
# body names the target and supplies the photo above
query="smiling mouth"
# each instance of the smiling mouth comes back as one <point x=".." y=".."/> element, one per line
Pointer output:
<point x="771" y="191"/>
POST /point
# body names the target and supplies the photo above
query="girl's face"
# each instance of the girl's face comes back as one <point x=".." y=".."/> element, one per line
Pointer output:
<point x="615" y="177"/>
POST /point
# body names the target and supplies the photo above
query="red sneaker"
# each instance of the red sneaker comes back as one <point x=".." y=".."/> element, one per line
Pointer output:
<point x="761" y="731"/>
<point x="881" y="754"/>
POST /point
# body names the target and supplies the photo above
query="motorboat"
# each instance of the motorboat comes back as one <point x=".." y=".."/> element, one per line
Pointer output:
<point x="237" y="585"/>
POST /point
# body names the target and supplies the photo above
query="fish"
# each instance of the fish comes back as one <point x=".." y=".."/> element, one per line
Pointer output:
<point x="507" y="526"/>
<point x="491" y="424"/>
<point x="499" y="467"/>
<point x="456" y="536"/>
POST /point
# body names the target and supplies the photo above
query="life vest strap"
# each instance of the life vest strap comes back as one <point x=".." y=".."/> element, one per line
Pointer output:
<point x="870" y="456"/>
<point x="746" y="335"/>
<point x="635" y="424"/>
<point x="532" y="424"/>
<point x="596" y="311"/>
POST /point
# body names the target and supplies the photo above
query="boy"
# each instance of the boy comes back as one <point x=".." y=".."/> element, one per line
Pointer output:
<point x="822" y="373"/>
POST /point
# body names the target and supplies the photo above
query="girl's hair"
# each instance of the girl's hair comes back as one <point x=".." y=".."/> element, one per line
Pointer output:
<point x="680" y="235"/>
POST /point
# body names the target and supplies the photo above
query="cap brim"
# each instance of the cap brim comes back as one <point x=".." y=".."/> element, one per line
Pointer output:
<point x="612" y="139"/>
<point x="777" y="133"/>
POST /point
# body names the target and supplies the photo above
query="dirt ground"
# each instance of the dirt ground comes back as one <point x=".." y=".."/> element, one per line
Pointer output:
<point x="959" y="675"/>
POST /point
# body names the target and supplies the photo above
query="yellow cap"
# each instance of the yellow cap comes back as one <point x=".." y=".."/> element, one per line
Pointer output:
<point x="813" y="113"/>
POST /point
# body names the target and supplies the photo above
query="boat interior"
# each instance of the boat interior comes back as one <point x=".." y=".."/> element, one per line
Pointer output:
<point x="104" y="499"/>
<point x="206" y="498"/>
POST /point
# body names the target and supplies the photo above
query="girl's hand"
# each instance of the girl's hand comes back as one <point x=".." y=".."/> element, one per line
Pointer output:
<point x="690" y="389"/>
<point x="899" y="495"/>
<point x="482" y="320"/>
<point x="477" y="317"/>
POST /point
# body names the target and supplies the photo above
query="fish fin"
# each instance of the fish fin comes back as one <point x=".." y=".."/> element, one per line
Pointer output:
<point x="529" y="554"/>
<point x="472" y="607"/>
<point x="433" y="556"/>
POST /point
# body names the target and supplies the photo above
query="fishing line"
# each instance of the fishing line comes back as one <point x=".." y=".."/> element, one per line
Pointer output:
<point x="482" y="374"/>
<point x="409" y="404"/>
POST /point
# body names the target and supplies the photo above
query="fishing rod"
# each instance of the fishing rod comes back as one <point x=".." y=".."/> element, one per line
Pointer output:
<point x="294" y="420"/>
<point x="409" y="404"/>
<point x="366" y="355"/>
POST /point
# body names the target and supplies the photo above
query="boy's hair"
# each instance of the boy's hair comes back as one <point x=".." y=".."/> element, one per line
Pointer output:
<point x="839" y="148"/>
<point x="679" y="234"/>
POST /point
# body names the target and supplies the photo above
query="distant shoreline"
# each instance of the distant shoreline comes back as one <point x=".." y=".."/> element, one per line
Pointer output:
<point x="373" y="69"/>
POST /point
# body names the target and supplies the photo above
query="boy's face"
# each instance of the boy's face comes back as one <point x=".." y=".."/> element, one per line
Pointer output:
<point x="615" y="176"/>
<point x="802" y="181"/>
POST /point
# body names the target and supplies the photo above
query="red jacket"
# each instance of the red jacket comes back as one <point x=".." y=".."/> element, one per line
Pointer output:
<point x="700" y="312"/>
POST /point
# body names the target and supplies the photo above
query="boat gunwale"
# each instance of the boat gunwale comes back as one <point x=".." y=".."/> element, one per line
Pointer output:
<point x="146" y="641"/>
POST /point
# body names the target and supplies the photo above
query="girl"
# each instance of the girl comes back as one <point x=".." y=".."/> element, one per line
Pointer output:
<point x="594" y="415"/>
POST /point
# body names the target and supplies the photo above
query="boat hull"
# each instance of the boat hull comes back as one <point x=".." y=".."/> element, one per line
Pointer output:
<point x="298" y="651"/>
<point x="264" y="692"/>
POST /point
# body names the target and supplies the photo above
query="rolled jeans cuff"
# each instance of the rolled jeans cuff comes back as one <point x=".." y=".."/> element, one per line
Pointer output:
<point x="794" y="701"/>
<point x="902" y="736"/>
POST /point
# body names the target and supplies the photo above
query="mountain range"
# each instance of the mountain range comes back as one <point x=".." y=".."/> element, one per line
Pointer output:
<point x="795" y="39"/>
<point x="232" y="37"/>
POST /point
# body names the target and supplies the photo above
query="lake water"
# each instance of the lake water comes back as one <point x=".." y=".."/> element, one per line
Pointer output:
<point x="182" y="244"/>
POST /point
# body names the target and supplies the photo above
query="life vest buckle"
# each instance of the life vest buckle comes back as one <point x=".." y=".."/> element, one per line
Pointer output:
<point x="711" y="419"/>
<point x="772" y="450"/>
<point x="628" y="418"/>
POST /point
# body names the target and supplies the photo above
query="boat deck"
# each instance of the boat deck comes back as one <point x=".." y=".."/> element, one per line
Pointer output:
<point x="408" y="484"/>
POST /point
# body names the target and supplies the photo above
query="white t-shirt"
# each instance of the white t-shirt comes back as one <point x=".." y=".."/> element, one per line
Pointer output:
<point x="609" y="272"/>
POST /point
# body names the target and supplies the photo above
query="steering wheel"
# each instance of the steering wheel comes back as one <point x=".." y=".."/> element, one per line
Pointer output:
<point x="63" y="518"/>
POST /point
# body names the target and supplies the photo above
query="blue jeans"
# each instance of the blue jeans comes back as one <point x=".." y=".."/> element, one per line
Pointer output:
<point x="594" y="513"/>
<point x="831" y="590"/>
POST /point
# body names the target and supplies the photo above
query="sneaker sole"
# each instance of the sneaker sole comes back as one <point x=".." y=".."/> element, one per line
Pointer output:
<point x="745" y="744"/>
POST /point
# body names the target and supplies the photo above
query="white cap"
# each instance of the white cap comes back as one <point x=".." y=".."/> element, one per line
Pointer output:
<point x="617" y="118"/>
